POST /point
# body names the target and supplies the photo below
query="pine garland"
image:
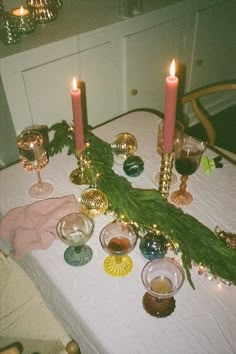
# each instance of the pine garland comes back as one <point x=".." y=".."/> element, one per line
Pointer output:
<point x="146" y="207"/>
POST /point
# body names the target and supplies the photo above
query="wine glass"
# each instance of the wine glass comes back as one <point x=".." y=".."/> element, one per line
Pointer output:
<point x="162" y="279"/>
<point x="187" y="161"/>
<point x="75" y="230"/>
<point x="178" y="141"/>
<point x="33" y="158"/>
<point x="118" y="240"/>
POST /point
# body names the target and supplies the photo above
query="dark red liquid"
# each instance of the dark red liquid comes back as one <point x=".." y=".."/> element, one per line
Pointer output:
<point x="119" y="244"/>
<point x="185" y="167"/>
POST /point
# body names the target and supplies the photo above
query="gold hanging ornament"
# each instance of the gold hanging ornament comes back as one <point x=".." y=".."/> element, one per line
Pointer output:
<point x="227" y="237"/>
<point x="125" y="145"/>
<point x="93" y="202"/>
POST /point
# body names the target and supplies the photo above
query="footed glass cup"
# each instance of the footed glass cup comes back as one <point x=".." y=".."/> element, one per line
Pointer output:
<point x="118" y="240"/>
<point x="75" y="230"/>
<point x="162" y="279"/>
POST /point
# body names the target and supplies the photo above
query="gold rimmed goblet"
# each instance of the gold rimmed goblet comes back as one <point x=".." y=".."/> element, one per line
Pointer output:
<point x="162" y="279"/>
<point x="75" y="230"/>
<point x="187" y="161"/>
<point x="33" y="158"/>
<point x="118" y="240"/>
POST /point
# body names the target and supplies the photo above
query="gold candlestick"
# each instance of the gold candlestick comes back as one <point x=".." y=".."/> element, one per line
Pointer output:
<point x="165" y="174"/>
<point x="77" y="176"/>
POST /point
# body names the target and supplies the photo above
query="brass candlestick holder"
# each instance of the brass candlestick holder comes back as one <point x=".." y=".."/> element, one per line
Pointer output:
<point x="77" y="176"/>
<point x="166" y="174"/>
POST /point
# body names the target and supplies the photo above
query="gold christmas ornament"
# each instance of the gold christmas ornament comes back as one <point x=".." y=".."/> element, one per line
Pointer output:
<point x="125" y="145"/>
<point x="227" y="237"/>
<point x="93" y="202"/>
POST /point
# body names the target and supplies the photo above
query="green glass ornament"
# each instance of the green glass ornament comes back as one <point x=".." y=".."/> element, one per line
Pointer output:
<point x="153" y="246"/>
<point x="133" y="166"/>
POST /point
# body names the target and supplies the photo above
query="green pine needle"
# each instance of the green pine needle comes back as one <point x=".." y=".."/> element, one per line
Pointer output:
<point x="146" y="207"/>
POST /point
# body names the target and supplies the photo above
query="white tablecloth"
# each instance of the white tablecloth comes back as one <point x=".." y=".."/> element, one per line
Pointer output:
<point x="105" y="314"/>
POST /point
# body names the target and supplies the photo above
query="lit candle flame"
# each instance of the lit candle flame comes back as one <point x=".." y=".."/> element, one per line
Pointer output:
<point x="21" y="11"/>
<point x="172" y="68"/>
<point x="74" y="83"/>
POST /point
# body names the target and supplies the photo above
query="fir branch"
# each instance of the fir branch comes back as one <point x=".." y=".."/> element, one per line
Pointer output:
<point x="146" y="207"/>
<point x="63" y="136"/>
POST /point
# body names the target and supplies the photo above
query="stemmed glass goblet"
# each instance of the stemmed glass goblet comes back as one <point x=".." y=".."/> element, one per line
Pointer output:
<point x="75" y="230"/>
<point x="118" y="240"/>
<point x="187" y="161"/>
<point x="33" y="158"/>
<point x="162" y="279"/>
<point x="178" y="141"/>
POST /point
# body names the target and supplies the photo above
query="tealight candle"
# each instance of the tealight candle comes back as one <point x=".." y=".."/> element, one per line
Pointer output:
<point x="23" y="20"/>
<point x="161" y="285"/>
<point x="21" y="11"/>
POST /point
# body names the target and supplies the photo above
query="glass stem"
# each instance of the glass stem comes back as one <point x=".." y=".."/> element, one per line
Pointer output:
<point x="40" y="183"/>
<point x="78" y="249"/>
<point x="118" y="259"/>
<point x="183" y="184"/>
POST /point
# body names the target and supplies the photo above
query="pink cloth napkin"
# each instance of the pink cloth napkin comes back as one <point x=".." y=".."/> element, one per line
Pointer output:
<point x="33" y="226"/>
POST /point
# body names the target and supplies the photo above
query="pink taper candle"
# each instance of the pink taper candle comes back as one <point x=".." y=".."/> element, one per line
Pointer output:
<point x="77" y="116"/>
<point x="170" y="109"/>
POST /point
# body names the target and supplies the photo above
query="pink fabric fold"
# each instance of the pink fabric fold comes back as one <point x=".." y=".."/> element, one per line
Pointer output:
<point x="33" y="226"/>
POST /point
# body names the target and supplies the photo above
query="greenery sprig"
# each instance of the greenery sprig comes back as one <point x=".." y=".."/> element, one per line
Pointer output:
<point x="146" y="208"/>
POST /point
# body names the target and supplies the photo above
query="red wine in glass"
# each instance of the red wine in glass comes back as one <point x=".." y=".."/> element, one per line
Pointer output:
<point x="186" y="163"/>
<point x="119" y="244"/>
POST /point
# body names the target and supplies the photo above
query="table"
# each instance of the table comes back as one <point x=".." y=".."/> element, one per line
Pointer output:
<point x="105" y="314"/>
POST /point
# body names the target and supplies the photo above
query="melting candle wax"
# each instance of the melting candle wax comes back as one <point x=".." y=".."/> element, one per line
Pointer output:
<point x="161" y="285"/>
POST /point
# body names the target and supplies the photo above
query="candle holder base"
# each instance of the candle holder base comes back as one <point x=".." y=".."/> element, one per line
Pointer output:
<point x="181" y="198"/>
<point x="77" y="175"/>
<point x="166" y="174"/>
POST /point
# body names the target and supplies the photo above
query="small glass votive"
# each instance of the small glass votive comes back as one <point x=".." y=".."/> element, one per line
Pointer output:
<point x="137" y="7"/>
<point x="43" y="11"/>
<point x="125" y="8"/>
<point x="23" y="20"/>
